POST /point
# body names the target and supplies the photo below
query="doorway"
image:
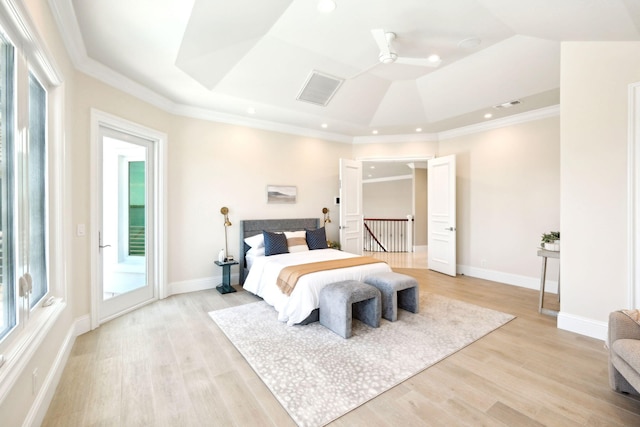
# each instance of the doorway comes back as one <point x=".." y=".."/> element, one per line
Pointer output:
<point x="395" y="188"/>
<point x="127" y="246"/>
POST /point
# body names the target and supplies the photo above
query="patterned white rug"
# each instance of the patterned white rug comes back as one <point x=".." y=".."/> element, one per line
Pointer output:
<point x="318" y="376"/>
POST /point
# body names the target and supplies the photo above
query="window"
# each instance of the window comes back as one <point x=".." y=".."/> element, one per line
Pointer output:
<point x="23" y="275"/>
<point x="136" y="208"/>
<point x="8" y="303"/>
<point x="25" y="181"/>
<point x="37" y="155"/>
<point x="32" y="244"/>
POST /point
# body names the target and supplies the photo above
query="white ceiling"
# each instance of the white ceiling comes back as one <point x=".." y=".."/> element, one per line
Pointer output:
<point x="219" y="58"/>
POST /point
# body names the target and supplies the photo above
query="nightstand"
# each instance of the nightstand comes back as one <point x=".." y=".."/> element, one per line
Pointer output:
<point x="225" y="286"/>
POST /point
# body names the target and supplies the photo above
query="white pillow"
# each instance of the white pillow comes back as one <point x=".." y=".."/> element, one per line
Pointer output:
<point x="255" y="252"/>
<point x="256" y="241"/>
<point x="252" y="254"/>
<point x="297" y="241"/>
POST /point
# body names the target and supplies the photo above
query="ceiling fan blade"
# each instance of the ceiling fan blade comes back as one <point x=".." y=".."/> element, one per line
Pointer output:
<point x="380" y="36"/>
<point x="422" y="62"/>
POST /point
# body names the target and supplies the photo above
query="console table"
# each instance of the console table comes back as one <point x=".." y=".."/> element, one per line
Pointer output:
<point x="225" y="287"/>
<point x="547" y="254"/>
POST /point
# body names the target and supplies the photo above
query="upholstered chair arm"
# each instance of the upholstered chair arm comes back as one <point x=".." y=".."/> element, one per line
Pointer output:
<point x="622" y="326"/>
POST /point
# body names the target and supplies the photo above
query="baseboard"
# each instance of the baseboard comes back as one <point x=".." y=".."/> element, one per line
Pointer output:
<point x="551" y="286"/>
<point x="567" y="322"/>
<point x="420" y="248"/>
<point x="82" y="325"/>
<point x="198" y="284"/>
<point x="43" y="399"/>
<point x="583" y="326"/>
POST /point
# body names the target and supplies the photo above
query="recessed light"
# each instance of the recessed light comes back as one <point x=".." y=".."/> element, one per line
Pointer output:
<point x="324" y="125"/>
<point x="418" y="129"/>
<point x="375" y="132"/>
<point x="488" y="116"/>
<point x="326" y="6"/>
<point x="372" y="167"/>
<point x="508" y="104"/>
<point x="433" y="58"/>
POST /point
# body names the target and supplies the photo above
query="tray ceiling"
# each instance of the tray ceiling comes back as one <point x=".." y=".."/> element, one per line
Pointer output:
<point x="247" y="60"/>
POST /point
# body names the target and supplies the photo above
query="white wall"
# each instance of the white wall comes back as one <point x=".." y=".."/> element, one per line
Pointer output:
<point x="388" y="199"/>
<point x="214" y="165"/>
<point x="508" y="194"/>
<point x="594" y="92"/>
<point x="394" y="150"/>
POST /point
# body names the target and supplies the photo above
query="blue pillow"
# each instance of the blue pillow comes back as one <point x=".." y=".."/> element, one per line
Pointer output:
<point x="317" y="239"/>
<point x="275" y="243"/>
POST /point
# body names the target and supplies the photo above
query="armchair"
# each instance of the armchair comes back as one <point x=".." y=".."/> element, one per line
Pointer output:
<point x="624" y="353"/>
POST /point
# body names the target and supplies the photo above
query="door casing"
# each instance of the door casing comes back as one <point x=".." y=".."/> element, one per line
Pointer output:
<point x="159" y="139"/>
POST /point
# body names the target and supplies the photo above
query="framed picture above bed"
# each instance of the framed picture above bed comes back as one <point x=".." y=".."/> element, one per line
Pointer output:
<point x="282" y="193"/>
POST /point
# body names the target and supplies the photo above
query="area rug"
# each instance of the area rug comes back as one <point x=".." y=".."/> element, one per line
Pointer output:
<point x="319" y="376"/>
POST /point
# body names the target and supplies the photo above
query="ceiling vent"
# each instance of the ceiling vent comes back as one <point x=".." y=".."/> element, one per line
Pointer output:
<point x="319" y="88"/>
<point x="508" y="104"/>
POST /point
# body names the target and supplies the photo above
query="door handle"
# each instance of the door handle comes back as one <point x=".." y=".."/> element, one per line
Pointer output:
<point x="100" y="245"/>
<point x="450" y="229"/>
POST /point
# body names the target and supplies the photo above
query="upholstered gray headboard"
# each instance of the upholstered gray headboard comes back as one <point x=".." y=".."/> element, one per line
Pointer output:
<point x="251" y="227"/>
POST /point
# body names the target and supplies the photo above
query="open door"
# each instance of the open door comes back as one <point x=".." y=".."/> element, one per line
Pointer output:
<point x="441" y="200"/>
<point x="351" y="216"/>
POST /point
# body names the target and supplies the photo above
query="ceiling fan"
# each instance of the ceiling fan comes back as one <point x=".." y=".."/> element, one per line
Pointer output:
<point x="388" y="54"/>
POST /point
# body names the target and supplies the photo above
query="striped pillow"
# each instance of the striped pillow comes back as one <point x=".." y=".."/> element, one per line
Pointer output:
<point x="296" y="241"/>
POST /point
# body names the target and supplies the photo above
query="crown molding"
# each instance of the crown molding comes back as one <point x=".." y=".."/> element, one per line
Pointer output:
<point x="390" y="139"/>
<point x="216" y="116"/>
<point x="528" y="116"/>
<point x="65" y="17"/>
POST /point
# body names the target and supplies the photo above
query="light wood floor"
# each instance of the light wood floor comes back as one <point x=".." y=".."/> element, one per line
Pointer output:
<point x="168" y="364"/>
<point x="402" y="259"/>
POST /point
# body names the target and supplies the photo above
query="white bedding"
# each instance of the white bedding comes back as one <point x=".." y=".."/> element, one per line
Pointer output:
<point x="305" y="297"/>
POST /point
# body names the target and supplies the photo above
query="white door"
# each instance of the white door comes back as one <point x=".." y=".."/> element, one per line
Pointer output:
<point x="351" y="216"/>
<point x="126" y="246"/>
<point x="441" y="201"/>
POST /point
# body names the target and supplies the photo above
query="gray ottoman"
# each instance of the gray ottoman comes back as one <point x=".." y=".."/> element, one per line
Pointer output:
<point x="398" y="291"/>
<point x="342" y="301"/>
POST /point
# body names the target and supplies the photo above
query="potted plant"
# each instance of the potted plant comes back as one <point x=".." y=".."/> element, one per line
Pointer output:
<point x="551" y="241"/>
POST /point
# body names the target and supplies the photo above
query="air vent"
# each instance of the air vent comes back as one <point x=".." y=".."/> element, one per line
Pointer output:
<point x="319" y="88"/>
<point x="508" y="104"/>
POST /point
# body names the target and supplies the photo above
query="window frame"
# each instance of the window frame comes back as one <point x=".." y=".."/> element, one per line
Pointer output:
<point x="33" y="303"/>
<point x="21" y="344"/>
<point x="8" y="151"/>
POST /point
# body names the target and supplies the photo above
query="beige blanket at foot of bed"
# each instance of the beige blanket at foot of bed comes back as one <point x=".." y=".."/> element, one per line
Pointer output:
<point x="289" y="276"/>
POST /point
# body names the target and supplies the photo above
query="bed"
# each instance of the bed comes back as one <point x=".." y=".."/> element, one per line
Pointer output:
<point x="259" y="274"/>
